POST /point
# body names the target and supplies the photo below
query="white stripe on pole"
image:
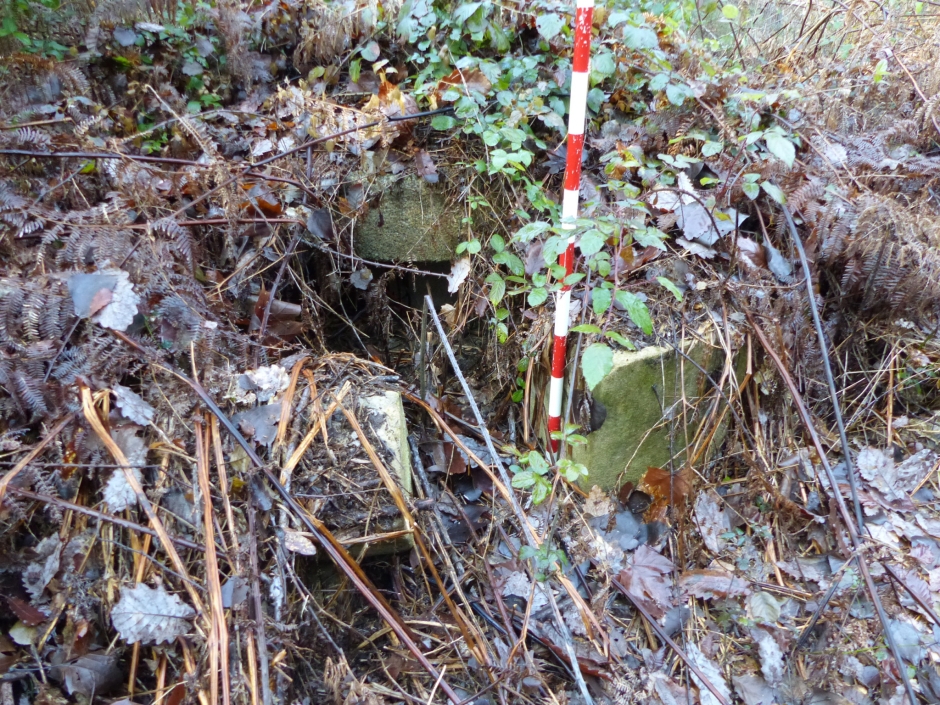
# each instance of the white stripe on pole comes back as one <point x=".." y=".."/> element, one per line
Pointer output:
<point x="569" y="208"/>
<point x="562" y="311"/>
<point x="554" y="396"/>
<point x="577" y="105"/>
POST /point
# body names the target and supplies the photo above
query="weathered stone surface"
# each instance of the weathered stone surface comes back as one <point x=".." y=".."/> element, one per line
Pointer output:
<point x="411" y="221"/>
<point x="642" y="397"/>
<point x="387" y="417"/>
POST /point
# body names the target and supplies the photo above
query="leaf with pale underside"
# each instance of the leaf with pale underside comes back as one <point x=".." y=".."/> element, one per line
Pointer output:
<point x="150" y="615"/>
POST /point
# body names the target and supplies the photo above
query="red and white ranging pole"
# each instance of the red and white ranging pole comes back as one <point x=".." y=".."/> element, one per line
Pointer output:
<point x="580" y="67"/>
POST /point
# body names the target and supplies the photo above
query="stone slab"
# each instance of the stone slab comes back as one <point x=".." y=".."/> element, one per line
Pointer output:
<point x="410" y="221"/>
<point x="640" y="397"/>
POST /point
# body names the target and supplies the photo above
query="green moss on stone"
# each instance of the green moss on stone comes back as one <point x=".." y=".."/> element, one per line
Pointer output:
<point x="634" y="435"/>
<point x="411" y="221"/>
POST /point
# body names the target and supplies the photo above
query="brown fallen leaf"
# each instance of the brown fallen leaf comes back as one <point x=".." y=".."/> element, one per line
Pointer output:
<point x="711" y="584"/>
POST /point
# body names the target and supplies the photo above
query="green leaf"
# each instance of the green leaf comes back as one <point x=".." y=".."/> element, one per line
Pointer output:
<point x="640" y="38"/>
<point x="541" y="490"/>
<point x="780" y="147"/>
<point x="671" y="287"/>
<point x="659" y="81"/>
<point x="586" y="328"/>
<point x="537" y="296"/>
<point x="530" y="230"/>
<point x="650" y="237"/>
<point x="549" y="25"/>
<point x="730" y="12"/>
<point x="637" y="311"/>
<point x="596" y="362"/>
<point x="463" y="13"/>
<point x="710" y="149"/>
<point x="537" y="462"/>
<point x="751" y="190"/>
<point x="355" y="67"/>
<point x="600" y="300"/>
<point x="443" y="122"/>
<point x="512" y="261"/>
<point x="497" y="288"/>
<point x="677" y="93"/>
<point x="524" y="479"/>
<point x="499" y="158"/>
<point x="497" y="243"/>
<point x="602" y="66"/>
<point x="774" y="191"/>
<point x="620" y="339"/>
<point x="595" y="99"/>
<point x="591" y="242"/>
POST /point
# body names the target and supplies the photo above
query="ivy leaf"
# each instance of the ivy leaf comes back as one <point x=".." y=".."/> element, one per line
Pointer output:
<point x="600" y="300"/>
<point x="596" y="362"/>
<point x="780" y="147"/>
<point x="549" y="25"/>
<point x="774" y="191"/>
<point x="671" y="287"/>
<point x="640" y="38"/>
<point x="637" y="311"/>
<point x="497" y="288"/>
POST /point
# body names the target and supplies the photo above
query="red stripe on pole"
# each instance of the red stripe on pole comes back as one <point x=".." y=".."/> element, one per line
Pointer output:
<point x="558" y="356"/>
<point x="573" y="164"/>
<point x="583" y="19"/>
<point x="554" y="424"/>
<point x="566" y="260"/>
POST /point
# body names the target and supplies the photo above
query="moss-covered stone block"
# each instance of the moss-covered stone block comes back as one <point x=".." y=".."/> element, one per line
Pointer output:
<point x="643" y="398"/>
<point x="410" y="221"/>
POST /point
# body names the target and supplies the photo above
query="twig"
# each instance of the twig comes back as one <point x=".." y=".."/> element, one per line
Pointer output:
<point x="827" y="367"/>
<point x="101" y="516"/>
<point x="266" y="696"/>
<point x="102" y="155"/>
<point x="218" y="641"/>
